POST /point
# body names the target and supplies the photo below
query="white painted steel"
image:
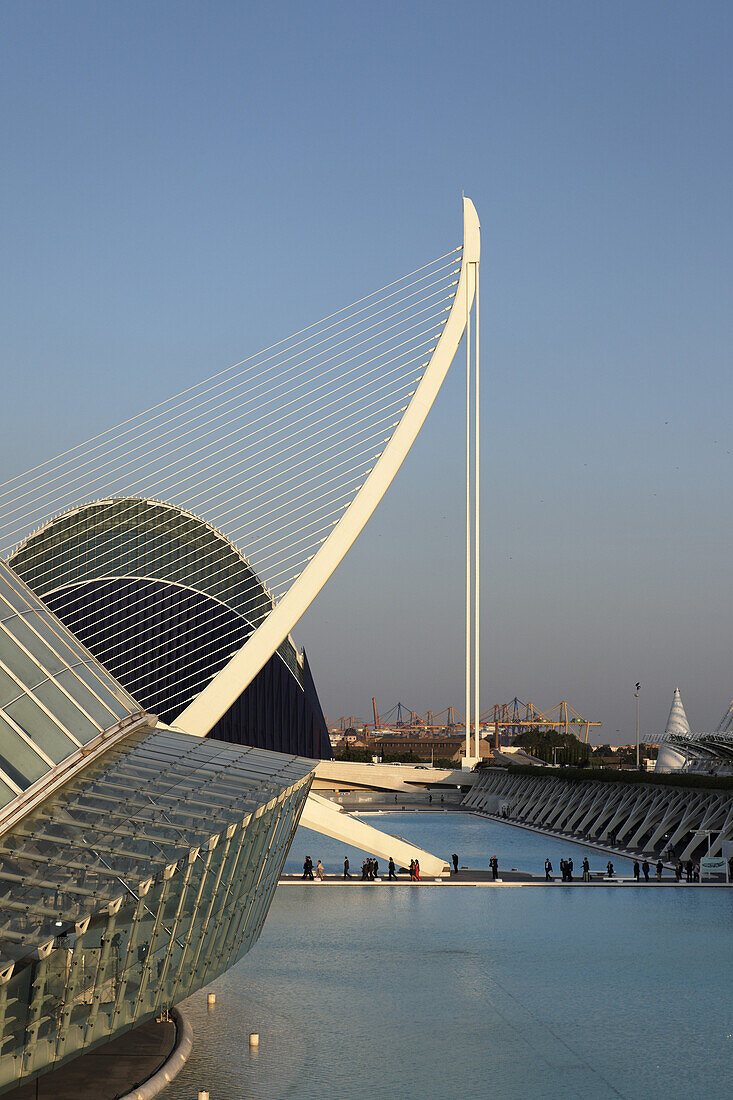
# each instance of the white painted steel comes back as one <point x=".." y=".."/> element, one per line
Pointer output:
<point x="468" y="530"/>
<point x="324" y="817"/>
<point x="396" y="778"/>
<point x="477" y="538"/>
<point x="639" y="819"/>
<point x="202" y="714"/>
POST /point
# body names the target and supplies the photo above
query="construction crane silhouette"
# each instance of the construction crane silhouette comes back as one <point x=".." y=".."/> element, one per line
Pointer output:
<point x="513" y="717"/>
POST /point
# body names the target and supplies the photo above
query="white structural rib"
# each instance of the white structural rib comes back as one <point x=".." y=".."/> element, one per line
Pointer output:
<point x="324" y="817"/>
<point x="216" y="698"/>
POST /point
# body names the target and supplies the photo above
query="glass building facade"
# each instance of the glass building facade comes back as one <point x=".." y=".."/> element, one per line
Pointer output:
<point x="56" y="700"/>
<point x="134" y="884"/>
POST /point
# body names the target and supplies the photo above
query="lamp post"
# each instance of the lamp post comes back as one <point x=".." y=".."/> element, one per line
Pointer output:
<point x="636" y="696"/>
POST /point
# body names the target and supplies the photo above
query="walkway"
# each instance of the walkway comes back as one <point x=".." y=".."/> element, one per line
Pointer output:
<point x="467" y="877"/>
<point x="110" y="1071"/>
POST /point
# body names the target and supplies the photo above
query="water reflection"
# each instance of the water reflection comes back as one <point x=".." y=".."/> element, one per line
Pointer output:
<point x="441" y="993"/>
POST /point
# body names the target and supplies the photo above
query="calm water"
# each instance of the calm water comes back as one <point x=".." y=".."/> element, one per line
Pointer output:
<point x="441" y="993"/>
<point x="475" y="839"/>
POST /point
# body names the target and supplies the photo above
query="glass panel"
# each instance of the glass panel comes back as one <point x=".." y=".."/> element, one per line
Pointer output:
<point x="19" y="761"/>
<point x="40" y="728"/>
<point x="66" y="711"/>
<point x="34" y="645"/>
<point x="19" y="663"/>
<point x="9" y="689"/>
<point x="108" y="690"/>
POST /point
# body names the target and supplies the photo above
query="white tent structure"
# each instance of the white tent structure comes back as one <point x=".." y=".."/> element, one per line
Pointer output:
<point x="677" y="721"/>
<point x="668" y="758"/>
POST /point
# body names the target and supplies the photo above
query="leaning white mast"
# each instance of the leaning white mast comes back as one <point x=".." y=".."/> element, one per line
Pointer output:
<point x="468" y="522"/>
<point x="219" y="694"/>
<point x="477" y="540"/>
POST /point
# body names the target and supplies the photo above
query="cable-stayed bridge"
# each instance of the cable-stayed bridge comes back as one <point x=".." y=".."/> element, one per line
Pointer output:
<point x="184" y="544"/>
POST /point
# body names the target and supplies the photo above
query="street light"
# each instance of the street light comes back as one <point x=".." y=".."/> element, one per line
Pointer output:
<point x="636" y="696"/>
<point x="704" y="832"/>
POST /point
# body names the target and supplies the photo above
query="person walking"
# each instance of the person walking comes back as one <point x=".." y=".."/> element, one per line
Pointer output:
<point x="417" y="870"/>
<point x="645" y="870"/>
<point x="363" y="870"/>
<point x="570" y="870"/>
<point x="392" y="869"/>
<point x="346" y="867"/>
<point x="548" y="871"/>
<point x="688" y="870"/>
<point x="660" y="868"/>
<point x="609" y="869"/>
<point x="494" y="865"/>
<point x="586" y="870"/>
<point x="412" y="870"/>
<point x="636" y="869"/>
<point x="308" y="868"/>
<point x="319" y="870"/>
<point x="678" y="870"/>
<point x="375" y="868"/>
<point x="454" y="857"/>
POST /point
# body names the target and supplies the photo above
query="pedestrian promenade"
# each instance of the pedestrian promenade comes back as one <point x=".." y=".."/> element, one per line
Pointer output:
<point x="468" y="877"/>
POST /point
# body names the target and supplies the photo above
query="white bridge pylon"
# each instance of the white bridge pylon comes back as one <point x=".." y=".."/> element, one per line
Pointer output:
<point x="216" y="698"/>
<point x="282" y="457"/>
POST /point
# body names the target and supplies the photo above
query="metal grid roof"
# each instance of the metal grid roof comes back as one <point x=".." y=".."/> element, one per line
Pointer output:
<point x="144" y="806"/>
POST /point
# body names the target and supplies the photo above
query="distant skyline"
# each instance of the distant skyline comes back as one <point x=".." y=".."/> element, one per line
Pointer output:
<point x="185" y="184"/>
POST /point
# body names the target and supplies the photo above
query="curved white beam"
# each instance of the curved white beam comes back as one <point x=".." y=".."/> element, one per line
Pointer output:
<point x="324" y="817"/>
<point x="216" y="698"/>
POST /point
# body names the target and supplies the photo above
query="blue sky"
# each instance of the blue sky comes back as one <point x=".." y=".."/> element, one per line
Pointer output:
<point x="186" y="183"/>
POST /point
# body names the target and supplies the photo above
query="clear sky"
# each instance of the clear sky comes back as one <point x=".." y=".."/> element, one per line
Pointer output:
<point x="184" y="183"/>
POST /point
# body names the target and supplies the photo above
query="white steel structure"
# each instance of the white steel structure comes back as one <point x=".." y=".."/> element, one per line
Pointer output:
<point x="214" y="700"/>
<point x="287" y="454"/>
<point x="283" y="456"/>
<point x="635" y="818"/>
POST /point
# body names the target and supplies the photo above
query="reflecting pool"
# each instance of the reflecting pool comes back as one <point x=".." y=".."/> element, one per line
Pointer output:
<point x="475" y="839"/>
<point x="439" y="992"/>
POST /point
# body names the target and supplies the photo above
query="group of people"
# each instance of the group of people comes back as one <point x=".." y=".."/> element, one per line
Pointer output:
<point x="691" y="871"/>
<point x="566" y="870"/>
<point x="308" y="869"/>
<point x="369" y="870"/>
<point x="645" y="869"/>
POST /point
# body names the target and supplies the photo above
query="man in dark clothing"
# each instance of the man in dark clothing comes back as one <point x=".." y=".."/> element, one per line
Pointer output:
<point x="494" y="865"/>
<point x="660" y="868"/>
<point x="570" y="870"/>
<point x="454" y="857"/>
<point x="586" y="870"/>
<point x="346" y="867"/>
<point x="375" y="868"/>
<point x="364" y="872"/>
<point x="636" y="869"/>
<point x="645" y="870"/>
<point x="548" y="870"/>
<point x="392" y="868"/>
<point x="308" y="867"/>
<point x="688" y="870"/>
